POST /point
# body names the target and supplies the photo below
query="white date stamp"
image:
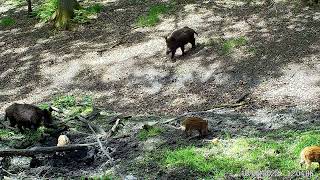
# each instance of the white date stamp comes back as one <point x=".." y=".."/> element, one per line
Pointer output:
<point x="273" y="173"/>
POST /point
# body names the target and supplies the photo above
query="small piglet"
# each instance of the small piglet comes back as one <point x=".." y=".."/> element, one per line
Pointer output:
<point x="27" y="116"/>
<point x="179" y="38"/>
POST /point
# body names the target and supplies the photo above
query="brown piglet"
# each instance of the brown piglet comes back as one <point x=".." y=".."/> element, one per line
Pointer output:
<point x="310" y="154"/>
<point x="195" y="123"/>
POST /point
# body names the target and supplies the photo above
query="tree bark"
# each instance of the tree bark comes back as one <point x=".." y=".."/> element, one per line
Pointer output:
<point x="29" y="7"/>
<point x="43" y="150"/>
<point x="65" y="13"/>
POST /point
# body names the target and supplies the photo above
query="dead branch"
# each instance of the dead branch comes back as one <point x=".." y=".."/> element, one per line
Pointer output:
<point x="242" y="98"/>
<point x="100" y="144"/>
<point x="101" y="131"/>
<point x="114" y="127"/>
<point x="201" y="112"/>
<point x="43" y="150"/>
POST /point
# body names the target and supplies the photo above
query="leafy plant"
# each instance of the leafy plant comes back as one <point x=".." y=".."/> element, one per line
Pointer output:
<point x="45" y="11"/>
<point x="85" y="15"/>
<point x="7" y="21"/>
<point x="152" y="18"/>
<point x="230" y="44"/>
<point x="73" y="106"/>
<point x="145" y="134"/>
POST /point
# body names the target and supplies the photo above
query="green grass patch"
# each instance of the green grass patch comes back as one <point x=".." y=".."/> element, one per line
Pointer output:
<point x="233" y="156"/>
<point x="85" y="15"/>
<point x="6" y="134"/>
<point x="22" y="140"/>
<point x="145" y="134"/>
<point x="7" y="21"/>
<point x="190" y="157"/>
<point x="152" y="18"/>
<point x="230" y="44"/>
<point x="16" y="2"/>
<point x="73" y="106"/>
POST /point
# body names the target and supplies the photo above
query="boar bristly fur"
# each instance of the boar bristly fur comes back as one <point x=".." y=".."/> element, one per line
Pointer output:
<point x="178" y="39"/>
<point x="27" y="116"/>
<point x="195" y="123"/>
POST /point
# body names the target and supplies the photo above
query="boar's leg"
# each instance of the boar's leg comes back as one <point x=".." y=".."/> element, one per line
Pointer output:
<point x="193" y="42"/>
<point x="173" y="51"/>
<point x="182" y="49"/>
<point x="13" y="122"/>
<point x="200" y="133"/>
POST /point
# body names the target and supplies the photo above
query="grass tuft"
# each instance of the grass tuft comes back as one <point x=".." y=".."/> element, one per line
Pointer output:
<point x="7" y="21"/>
<point x="152" y="18"/>
<point x="144" y="134"/>
<point x="230" y="44"/>
<point x="73" y="106"/>
<point x="85" y="15"/>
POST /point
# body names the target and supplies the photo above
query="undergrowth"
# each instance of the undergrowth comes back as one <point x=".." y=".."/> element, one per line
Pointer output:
<point x="145" y="134"/>
<point x="7" y="21"/>
<point x="153" y="15"/>
<point x="235" y="156"/>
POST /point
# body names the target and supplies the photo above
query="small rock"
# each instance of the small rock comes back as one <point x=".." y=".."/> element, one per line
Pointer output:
<point x="130" y="177"/>
<point x="215" y="141"/>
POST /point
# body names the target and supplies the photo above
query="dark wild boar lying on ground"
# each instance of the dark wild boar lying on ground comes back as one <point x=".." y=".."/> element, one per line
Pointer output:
<point x="179" y="38"/>
<point x="27" y="116"/>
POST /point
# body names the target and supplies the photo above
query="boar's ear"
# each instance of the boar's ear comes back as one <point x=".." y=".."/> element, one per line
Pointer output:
<point x="165" y="37"/>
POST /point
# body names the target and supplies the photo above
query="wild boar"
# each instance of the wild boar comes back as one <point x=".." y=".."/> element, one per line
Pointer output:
<point x="310" y="154"/>
<point x="195" y="123"/>
<point x="179" y="38"/>
<point x="27" y="116"/>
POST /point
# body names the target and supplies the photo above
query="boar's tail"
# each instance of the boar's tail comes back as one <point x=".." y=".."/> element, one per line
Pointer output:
<point x="196" y="33"/>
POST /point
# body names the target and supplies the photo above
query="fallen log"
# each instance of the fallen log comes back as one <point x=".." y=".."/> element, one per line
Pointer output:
<point x="43" y="150"/>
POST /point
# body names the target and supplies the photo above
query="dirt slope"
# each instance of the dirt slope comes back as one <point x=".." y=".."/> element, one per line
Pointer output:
<point x="279" y="65"/>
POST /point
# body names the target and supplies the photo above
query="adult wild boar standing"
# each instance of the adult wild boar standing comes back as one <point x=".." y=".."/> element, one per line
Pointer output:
<point x="179" y="38"/>
<point x="27" y="116"/>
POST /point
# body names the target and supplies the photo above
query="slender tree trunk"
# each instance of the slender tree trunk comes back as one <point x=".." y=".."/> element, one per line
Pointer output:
<point x="29" y="7"/>
<point x="65" y="13"/>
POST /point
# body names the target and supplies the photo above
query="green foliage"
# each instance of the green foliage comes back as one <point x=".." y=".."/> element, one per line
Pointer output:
<point x="7" y="21"/>
<point x="249" y="154"/>
<point x="190" y="157"/>
<point x="85" y="15"/>
<point x="307" y="139"/>
<point x="46" y="10"/>
<point x="5" y="133"/>
<point x="73" y="106"/>
<point x="144" y="134"/>
<point x="16" y="2"/>
<point x="230" y="44"/>
<point x="25" y="139"/>
<point x="152" y="18"/>
<point x="44" y="106"/>
<point x="64" y="102"/>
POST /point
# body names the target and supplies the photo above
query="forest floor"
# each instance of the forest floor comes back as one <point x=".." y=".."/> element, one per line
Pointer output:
<point x="276" y="66"/>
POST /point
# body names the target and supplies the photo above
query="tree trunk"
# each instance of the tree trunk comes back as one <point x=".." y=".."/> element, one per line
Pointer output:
<point x="65" y="13"/>
<point x="29" y="7"/>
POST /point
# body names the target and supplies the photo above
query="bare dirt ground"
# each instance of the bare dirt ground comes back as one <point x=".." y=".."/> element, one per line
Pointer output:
<point x="279" y="67"/>
<point x="280" y="70"/>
